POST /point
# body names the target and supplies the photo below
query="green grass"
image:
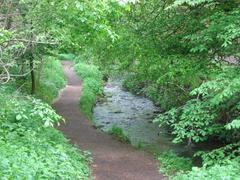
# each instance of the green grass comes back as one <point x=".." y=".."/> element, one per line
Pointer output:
<point x="49" y="79"/>
<point x="170" y="163"/>
<point x="91" y="87"/>
<point x="31" y="148"/>
<point x="119" y="134"/>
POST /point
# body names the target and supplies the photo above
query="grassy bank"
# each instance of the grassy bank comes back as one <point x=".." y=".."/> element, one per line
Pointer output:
<point x="49" y="80"/>
<point x="92" y="86"/>
<point x="31" y="148"/>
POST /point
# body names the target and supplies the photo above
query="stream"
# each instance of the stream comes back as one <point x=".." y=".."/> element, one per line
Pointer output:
<point x="134" y="114"/>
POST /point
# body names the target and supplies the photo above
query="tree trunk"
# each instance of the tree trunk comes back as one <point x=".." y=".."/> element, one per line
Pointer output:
<point x="32" y="75"/>
<point x="31" y="63"/>
<point x="8" y="23"/>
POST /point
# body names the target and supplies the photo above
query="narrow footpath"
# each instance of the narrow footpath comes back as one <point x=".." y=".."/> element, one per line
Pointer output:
<point x="112" y="160"/>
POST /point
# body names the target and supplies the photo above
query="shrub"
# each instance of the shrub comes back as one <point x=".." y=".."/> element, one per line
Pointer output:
<point x="170" y="163"/>
<point x="31" y="148"/>
<point x="50" y="79"/>
<point x="212" y="111"/>
<point x="229" y="171"/>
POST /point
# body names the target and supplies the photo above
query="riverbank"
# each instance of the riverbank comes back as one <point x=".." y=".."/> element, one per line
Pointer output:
<point x="112" y="159"/>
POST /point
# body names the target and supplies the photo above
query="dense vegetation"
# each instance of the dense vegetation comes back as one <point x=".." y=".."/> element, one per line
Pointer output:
<point x="170" y="163"/>
<point x="183" y="54"/>
<point x="91" y="87"/>
<point x="31" y="148"/>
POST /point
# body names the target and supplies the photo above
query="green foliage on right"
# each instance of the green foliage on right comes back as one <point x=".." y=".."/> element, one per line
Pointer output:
<point x="119" y="134"/>
<point x="229" y="171"/>
<point x="91" y="87"/>
<point x="167" y="80"/>
<point x="213" y="110"/>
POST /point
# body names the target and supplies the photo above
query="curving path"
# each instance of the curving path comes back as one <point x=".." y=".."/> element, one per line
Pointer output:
<point x="112" y="160"/>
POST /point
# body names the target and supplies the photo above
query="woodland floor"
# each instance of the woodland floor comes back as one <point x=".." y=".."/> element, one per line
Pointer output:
<point x="112" y="160"/>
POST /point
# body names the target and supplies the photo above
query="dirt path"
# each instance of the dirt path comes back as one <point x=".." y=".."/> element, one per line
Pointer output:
<point x="113" y="160"/>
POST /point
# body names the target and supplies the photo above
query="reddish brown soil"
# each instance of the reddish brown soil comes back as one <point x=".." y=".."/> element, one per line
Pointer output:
<point x="112" y="160"/>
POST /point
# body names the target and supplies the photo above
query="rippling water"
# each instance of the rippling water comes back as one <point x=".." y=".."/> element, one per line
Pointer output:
<point x="134" y="114"/>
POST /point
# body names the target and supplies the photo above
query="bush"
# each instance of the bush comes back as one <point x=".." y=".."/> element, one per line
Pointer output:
<point x="170" y="163"/>
<point x="213" y="110"/>
<point x="229" y="171"/>
<point x="92" y="86"/>
<point x="31" y="148"/>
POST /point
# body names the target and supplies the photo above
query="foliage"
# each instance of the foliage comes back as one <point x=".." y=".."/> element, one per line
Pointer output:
<point x="170" y="163"/>
<point x="30" y="146"/>
<point x="176" y="51"/>
<point x="213" y="111"/>
<point x="49" y="79"/>
<point x="221" y="155"/>
<point x="119" y="134"/>
<point x="91" y="87"/>
<point x="168" y="80"/>
<point x="169" y="46"/>
<point x="68" y="26"/>
<point x="230" y="170"/>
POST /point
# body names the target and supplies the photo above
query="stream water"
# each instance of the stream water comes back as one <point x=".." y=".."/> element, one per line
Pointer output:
<point x="134" y="114"/>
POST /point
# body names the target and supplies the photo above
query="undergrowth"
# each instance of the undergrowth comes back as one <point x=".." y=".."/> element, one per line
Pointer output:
<point x="91" y="87"/>
<point x="49" y="80"/>
<point x="170" y="163"/>
<point x="31" y="148"/>
<point x="228" y="171"/>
